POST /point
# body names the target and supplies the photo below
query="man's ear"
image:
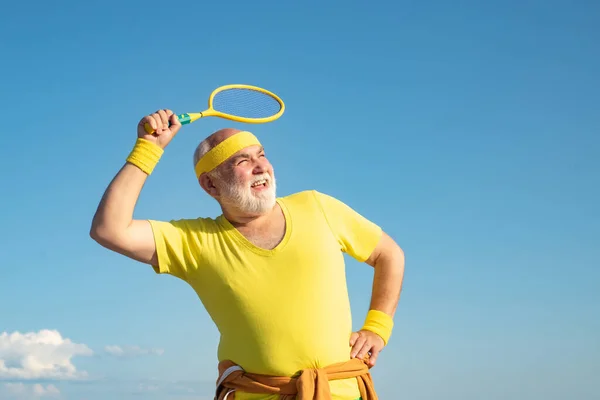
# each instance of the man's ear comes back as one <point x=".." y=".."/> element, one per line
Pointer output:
<point x="207" y="184"/>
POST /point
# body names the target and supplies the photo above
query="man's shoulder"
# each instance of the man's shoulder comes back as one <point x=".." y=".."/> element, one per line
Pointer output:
<point x="311" y="197"/>
<point x="301" y="195"/>
<point x="304" y="198"/>
<point x="305" y="195"/>
<point x="311" y="201"/>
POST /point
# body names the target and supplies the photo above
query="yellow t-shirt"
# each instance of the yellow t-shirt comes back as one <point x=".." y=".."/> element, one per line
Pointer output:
<point x="282" y="310"/>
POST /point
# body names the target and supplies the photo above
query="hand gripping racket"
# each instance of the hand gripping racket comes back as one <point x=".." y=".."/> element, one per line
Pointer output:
<point x="241" y="103"/>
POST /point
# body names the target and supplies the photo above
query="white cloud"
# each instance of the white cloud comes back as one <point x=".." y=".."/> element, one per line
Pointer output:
<point x="47" y="355"/>
<point x="131" y="351"/>
<point x="20" y="390"/>
<point x="40" y="355"/>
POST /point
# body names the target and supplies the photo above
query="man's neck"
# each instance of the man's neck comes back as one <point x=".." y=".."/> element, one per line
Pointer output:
<point x="243" y="220"/>
<point x="265" y="231"/>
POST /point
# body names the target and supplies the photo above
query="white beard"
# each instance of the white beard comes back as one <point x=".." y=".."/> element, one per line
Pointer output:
<point x="242" y="198"/>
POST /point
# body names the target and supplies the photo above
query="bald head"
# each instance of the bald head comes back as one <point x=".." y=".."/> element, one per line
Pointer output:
<point x="211" y="141"/>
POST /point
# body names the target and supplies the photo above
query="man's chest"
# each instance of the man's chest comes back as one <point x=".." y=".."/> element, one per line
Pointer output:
<point x="272" y="259"/>
<point x="266" y="237"/>
<point x="264" y="240"/>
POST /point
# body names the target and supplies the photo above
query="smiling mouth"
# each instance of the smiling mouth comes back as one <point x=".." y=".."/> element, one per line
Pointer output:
<point x="260" y="183"/>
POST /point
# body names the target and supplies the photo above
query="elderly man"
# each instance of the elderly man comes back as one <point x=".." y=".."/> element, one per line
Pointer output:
<point x="270" y="271"/>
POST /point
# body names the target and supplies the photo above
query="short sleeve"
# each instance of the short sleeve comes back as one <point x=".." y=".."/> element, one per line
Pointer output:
<point x="357" y="235"/>
<point x="178" y="246"/>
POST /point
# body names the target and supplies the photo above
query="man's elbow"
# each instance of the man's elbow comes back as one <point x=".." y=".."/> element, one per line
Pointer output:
<point x="394" y="258"/>
<point x="398" y="254"/>
<point x="105" y="236"/>
<point x="100" y="235"/>
<point x="391" y="263"/>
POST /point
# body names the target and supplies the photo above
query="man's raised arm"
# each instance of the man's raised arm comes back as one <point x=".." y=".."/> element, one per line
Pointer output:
<point x="113" y="225"/>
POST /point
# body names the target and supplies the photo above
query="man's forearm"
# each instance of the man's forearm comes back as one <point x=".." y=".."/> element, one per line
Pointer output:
<point x="387" y="281"/>
<point x="115" y="211"/>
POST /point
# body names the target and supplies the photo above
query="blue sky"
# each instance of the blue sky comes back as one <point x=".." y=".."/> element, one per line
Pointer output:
<point x="469" y="132"/>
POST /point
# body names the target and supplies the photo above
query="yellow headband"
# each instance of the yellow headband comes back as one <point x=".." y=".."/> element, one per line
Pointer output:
<point x="224" y="150"/>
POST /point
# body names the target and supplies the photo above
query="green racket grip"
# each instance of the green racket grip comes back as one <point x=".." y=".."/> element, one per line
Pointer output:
<point x="184" y="119"/>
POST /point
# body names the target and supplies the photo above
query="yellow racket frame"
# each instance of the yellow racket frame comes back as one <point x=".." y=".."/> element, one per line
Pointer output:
<point x="188" y="118"/>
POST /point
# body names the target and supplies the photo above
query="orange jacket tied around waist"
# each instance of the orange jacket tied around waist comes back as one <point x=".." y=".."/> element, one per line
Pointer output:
<point x="310" y="384"/>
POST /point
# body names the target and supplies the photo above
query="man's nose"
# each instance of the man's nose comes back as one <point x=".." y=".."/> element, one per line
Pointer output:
<point x="261" y="165"/>
<point x="259" y="168"/>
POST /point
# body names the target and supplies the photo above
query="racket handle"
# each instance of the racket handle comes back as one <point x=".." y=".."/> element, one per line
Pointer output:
<point x="183" y="119"/>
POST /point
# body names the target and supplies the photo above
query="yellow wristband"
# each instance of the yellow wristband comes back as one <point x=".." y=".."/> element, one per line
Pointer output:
<point x="379" y="323"/>
<point x="145" y="155"/>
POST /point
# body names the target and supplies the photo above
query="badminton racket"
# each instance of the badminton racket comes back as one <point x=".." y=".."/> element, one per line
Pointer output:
<point x="237" y="102"/>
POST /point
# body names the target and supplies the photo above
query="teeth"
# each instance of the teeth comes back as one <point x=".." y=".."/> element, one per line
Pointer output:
<point x="257" y="183"/>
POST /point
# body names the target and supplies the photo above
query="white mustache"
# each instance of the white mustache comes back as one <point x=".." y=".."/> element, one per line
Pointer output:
<point x="260" y="177"/>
